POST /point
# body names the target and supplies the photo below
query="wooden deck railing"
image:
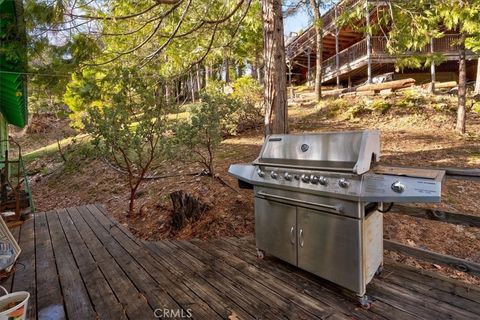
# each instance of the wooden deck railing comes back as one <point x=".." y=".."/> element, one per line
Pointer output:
<point x="446" y="45"/>
<point x="349" y="55"/>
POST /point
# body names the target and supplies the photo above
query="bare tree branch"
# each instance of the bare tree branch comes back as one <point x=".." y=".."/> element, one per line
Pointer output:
<point x="133" y="15"/>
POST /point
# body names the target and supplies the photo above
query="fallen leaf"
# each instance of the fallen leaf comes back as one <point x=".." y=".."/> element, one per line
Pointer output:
<point x="410" y="242"/>
<point x="233" y="316"/>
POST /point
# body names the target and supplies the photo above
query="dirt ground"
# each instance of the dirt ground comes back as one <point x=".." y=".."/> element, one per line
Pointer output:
<point x="420" y="137"/>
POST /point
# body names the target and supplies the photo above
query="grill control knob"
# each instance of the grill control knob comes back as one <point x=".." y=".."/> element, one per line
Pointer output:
<point x="305" y="178"/>
<point x="314" y="179"/>
<point x="343" y="183"/>
<point x="287" y="176"/>
<point x="274" y="175"/>
<point x="322" y="180"/>
<point x="261" y="173"/>
<point x="398" y="187"/>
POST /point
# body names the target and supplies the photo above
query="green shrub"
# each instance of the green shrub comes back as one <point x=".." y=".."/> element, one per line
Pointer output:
<point x="197" y="139"/>
<point x="356" y="111"/>
<point x="476" y="107"/>
<point x="411" y="99"/>
<point x="248" y="91"/>
<point x="380" y="106"/>
<point x="215" y="87"/>
<point x="335" y="106"/>
<point x="125" y="123"/>
<point x="249" y="113"/>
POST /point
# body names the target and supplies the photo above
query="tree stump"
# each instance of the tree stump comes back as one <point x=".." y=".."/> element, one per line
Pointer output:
<point x="186" y="207"/>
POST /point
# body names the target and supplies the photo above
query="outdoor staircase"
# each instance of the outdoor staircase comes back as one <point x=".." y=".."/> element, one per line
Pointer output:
<point x="302" y="98"/>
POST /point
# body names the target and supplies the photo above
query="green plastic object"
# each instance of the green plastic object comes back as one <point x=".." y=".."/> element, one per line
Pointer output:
<point x="13" y="87"/>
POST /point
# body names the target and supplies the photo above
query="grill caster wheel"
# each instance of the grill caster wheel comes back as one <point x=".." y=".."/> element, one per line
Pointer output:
<point x="365" y="302"/>
<point x="379" y="270"/>
<point x="260" y="254"/>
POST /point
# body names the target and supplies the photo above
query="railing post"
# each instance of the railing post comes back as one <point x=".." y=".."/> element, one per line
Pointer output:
<point x="369" y="43"/>
<point x="308" y="65"/>
<point x="337" y="58"/>
<point x="432" y="67"/>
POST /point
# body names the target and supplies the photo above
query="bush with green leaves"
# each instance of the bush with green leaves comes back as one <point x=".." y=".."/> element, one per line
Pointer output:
<point x="197" y="139"/>
<point x="476" y="107"/>
<point x="88" y="89"/>
<point x="379" y="105"/>
<point x="243" y="106"/>
<point x="126" y="125"/>
<point x="250" y="94"/>
<point x="411" y="99"/>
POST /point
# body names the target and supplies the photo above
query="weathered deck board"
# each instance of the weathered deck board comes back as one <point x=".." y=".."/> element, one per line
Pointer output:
<point x="49" y="297"/>
<point x="77" y="301"/>
<point x="24" y="276"/>
<point x="278" y="292"/>
<point x="79" y="263"/>
<point x="103" y="299"/>
<point x="174" y="295"/>
<point x="134" y="303"/>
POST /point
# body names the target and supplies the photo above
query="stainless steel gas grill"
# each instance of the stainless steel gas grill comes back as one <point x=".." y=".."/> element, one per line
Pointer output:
<point x="319" y="202"/>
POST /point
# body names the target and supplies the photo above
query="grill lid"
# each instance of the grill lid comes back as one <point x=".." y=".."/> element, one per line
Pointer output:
<point x="350" y="151"/>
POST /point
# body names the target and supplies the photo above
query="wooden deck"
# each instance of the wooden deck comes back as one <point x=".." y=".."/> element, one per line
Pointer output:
<point x="78" y="263"/>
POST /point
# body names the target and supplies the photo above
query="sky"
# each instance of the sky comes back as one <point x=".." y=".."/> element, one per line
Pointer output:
<point x="296" y="23"/>
<point x="302" y="19"/>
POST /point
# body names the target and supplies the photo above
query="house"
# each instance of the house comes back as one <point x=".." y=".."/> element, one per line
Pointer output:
<point x="351" y="57"/>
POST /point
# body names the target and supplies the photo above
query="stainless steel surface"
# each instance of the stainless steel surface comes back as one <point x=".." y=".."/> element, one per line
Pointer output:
<point x="273" y="224"/>
<point x="368" y="187"/>
<point x="316" y="199"/>
<point x="336" y="208"/>
<point x="391" y="188"/>
<point x="332" y="247"/>
<point x="398" y="187"/>
<point x="300" y="239"/>
<point x="343" y="183"/>
<point x="341" y="151"/>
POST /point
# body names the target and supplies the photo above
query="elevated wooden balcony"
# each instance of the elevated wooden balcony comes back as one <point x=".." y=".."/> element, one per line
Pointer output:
<point x="356" y="56"/>
<point x="345" y="49"/>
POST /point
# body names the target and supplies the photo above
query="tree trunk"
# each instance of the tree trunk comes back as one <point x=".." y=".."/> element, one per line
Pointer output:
<point x="275" y="98"/>
<point x="254" y="70"/>
<point x="207" y="73"/>
<point x="133" y="194"/>
<point x="314" y="6"/>
<point x="227" y="70"/>
<point x="240" y="71"/>
<point x="477" y="80"/>
<point x="192" y="87"/>
<point x="167" y="92"/>
<point x="186" y="207"/>
<point x="199" y="79"/>
<point x="462" y="86"/>
<point x="177" y="91"/>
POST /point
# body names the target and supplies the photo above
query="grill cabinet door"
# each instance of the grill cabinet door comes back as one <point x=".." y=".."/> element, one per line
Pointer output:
<point x="275" y="226"/>
<point x="329" y="246"/>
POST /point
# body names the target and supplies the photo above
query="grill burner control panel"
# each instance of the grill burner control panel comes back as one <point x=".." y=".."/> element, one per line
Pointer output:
<point x="390" y="186"/>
